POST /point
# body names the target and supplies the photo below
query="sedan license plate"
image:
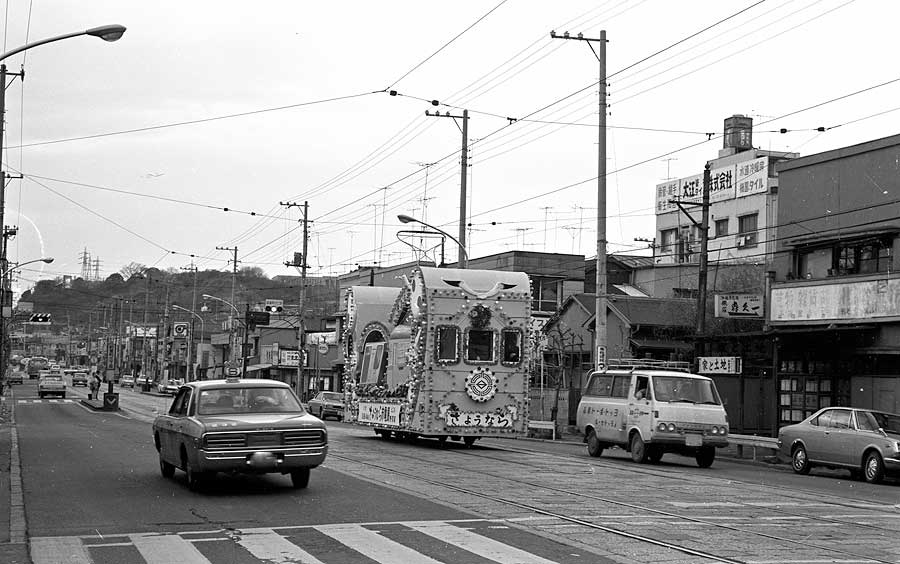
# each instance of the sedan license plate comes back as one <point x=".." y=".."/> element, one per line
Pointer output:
<point x="262" y="439"/>
<point x="693" y="440"/>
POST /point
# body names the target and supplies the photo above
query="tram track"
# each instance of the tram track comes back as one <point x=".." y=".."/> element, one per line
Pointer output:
<point x="790" y="495"/>
<point x="635" y="507"/>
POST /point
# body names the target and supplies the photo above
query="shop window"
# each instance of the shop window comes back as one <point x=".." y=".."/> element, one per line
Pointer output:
<point x="512" y="346"/>
<point x="545" y="294"/>
<point x="747" y="230"/>
<point x="814" y="263"/>
<point x="721" y="227"/>
<point x="447" y="349"/>
<point x="480" y="345"/>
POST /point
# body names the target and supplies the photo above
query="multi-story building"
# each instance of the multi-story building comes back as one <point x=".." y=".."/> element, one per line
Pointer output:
<point x="835" y="296"/>
<point x="743" y="198"/>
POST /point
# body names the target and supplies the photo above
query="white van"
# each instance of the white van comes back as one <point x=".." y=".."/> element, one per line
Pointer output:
<point x="651" y="408"/>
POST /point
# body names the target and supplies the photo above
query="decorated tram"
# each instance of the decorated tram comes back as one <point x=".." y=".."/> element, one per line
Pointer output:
<point x="448" y="359"/>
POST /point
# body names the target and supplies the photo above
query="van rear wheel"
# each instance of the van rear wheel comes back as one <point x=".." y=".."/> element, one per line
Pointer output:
<point x="594" y="447"/>
<point x="638" y="449"/>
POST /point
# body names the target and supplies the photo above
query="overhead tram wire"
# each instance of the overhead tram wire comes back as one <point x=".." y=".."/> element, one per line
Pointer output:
<point x="445" y="45"/>
<point x="198" y="121"/>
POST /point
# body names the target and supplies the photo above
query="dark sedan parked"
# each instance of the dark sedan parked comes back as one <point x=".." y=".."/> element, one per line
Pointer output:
<point x="864" y="441"/>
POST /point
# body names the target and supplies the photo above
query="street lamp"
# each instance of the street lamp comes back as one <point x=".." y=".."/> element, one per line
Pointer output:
<point x="106" y="33"/>
<point x="231" y="331"/>
<point x="46" y="260"/>
<point x="191" y="340"/>
<point x="465" y="256"/>
<point x="3" y="295"/>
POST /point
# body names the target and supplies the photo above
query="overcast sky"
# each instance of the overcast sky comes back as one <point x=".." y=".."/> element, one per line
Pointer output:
<point x="105" y="170"/>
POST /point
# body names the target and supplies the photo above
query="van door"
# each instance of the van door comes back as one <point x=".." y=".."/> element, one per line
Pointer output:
<point x="619" y="405"/>
<point x="639" y="409"/>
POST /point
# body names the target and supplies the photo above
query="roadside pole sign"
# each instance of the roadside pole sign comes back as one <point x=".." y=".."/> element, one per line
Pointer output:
<point x="322" y="348"/>
<point x="232" y="371"/>
<point x="601" y="357"/>
<point x="179" y="330"/>
<point x="739" y="305"/>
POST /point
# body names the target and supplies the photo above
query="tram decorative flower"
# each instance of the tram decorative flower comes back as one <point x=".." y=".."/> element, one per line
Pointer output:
<point x="448" y="360"/>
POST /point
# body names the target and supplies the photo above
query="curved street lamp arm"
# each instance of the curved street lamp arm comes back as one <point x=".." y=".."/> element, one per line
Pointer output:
<point x="408" y="219"/>
<point x="226" y="302"/>
<point x="106" y="33"/>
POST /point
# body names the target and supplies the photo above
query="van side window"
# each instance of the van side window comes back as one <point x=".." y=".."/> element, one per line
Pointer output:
<point x="642" y="387"/>
<point x="620" y="386"/>
<point x="599" y="385"/>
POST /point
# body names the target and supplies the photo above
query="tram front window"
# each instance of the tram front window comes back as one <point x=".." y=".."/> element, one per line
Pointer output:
<point x="480" y="346"/>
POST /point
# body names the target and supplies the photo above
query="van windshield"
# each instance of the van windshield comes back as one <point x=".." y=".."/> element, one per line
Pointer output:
<point x="683" y="389"/>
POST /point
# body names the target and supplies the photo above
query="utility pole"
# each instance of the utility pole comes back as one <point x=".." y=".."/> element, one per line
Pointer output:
<point x="4" y="281"/>
<point x="461" y="260"/>
<point x="704" y="242"/>
<point x="600" y="316"/>
<point x="234" y="262"/>
<point x="190" y="344"/>
<point x="300" y="262"/>
<point x="144" y="330"/>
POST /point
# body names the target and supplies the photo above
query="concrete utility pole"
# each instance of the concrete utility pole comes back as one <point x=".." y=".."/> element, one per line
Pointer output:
<point x="144" y="330"/>
<point x="301" y="264"/>
<point x="462" y="257"/>
<point x="234" y="262"/>
<point x="600" y="316"/>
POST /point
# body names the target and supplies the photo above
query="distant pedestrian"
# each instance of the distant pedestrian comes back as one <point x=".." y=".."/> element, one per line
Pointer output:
<point x="95" y="386"/>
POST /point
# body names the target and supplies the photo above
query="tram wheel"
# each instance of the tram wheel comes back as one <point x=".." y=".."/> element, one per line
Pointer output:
<point x="469" y="441"/>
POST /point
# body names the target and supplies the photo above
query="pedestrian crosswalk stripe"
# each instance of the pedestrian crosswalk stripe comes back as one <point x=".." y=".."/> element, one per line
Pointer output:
<point x="21" y="401"/>
<point x="59" y="550"/>
<point x="481" y="545"/>
<point x="167" y="549"/>
<point x="270" y="546"/>
<point x="286" y="545"/>
<point x="373" y="545"/>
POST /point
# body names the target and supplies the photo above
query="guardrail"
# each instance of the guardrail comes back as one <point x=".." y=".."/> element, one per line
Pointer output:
<point x="753" y="441"/>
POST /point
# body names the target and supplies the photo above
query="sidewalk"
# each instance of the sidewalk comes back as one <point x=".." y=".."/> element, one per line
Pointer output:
<point x="10" y="553"/>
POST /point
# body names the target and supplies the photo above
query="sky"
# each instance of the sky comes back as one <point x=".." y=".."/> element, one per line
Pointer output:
<point x="131" y="151"/>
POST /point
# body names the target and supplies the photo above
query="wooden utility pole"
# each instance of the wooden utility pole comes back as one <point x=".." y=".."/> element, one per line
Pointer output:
<point x="462" y="257"/>
<point x="190" y="344"/>
<point x="301" y="263"/>
<point x="601" y="301"/>
<point x="704" y="244"/>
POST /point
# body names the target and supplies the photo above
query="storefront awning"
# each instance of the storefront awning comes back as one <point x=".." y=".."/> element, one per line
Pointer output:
<point x="256" y="367"/>
<point x="666" y="345"/>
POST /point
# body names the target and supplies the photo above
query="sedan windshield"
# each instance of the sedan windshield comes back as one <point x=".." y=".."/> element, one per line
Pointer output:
<point x="684" y="389"/>
<point x="248" y="400"/>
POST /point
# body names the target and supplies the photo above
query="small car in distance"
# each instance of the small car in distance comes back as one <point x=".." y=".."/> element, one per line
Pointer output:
<point x="253" y="426"/>
<point x="126" y="381"/>
<point x="52" y="384"/>
<point x="16" y="377"/>
<point x="864" y="441"/>
<point x="327" y="404"/>
<point x="79" y="379"/>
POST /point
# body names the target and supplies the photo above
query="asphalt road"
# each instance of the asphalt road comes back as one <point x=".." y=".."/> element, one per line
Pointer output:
<point x="94" y="494"/>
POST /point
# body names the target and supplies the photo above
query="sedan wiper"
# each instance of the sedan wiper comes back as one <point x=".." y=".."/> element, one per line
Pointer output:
<point x="685" y="400"/>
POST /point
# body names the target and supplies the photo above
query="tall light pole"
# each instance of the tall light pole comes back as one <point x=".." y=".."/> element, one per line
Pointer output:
<point x="600" y="316"/>
<point x="231" y="342"/>
<point x="106" y="33"/>
<point x="462" y="250"/>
